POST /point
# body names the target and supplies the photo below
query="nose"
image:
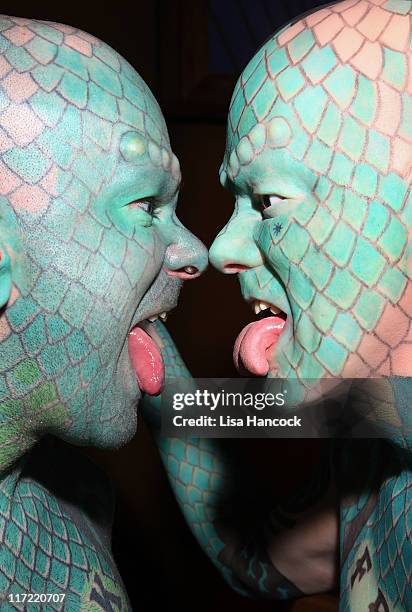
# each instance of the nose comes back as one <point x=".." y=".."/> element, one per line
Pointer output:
<point x="234" y="249"/>
<point x="186" y="256"/>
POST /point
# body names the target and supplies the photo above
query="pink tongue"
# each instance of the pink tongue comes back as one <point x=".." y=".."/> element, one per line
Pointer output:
<point x="252" y="343"/>
<point x="147" y="361"/>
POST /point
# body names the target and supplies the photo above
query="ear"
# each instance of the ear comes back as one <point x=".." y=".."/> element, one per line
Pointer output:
<point x="5" y="276"/>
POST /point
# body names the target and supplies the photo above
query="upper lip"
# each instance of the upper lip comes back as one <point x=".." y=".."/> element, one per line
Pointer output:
<point x="162" y="296"/>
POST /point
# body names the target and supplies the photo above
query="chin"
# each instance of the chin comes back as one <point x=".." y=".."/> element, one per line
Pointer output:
<point x="116" y="423"/>
<point x="116" y="433"/>
<point x="112" y="417"/>
<point x="111" y="434"/>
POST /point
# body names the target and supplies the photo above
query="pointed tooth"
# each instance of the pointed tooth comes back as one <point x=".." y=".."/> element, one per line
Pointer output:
<point x="263" y="305"/>
<point x="275" y="310"/>
<point x="163" y="316"/>
<point x="152" y="319"/>
<point x="257" y="308"/>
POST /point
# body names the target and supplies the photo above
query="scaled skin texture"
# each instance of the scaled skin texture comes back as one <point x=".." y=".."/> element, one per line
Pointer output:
<point x="89" y="246"/>
<point x="319" y="161"/>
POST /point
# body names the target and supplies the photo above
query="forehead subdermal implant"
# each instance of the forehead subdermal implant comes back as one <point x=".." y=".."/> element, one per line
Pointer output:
<point x="155" y="153"/>
<point x="233" y="168"/>
<point x="132" y="147"/>
<point x="275" y="134"/>
<point x="278" y="133"/>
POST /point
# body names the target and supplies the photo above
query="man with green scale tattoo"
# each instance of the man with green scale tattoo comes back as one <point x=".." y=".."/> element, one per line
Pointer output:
<point x="319" y="162"/>
<point x="91" y="252"/>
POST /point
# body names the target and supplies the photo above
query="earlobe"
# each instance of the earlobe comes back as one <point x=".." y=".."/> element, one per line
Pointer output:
<point x="5" y="277"/>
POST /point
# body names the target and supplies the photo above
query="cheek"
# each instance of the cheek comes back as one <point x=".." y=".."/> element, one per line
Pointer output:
<point x="143" y="259"/>
<point x="269" y="236"/>
<point x="387" y="340"/>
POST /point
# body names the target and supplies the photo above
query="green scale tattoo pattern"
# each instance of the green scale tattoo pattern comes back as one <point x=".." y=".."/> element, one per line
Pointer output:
<point x="376" y="546"/>
<point x="48" y="546"/>
<point x="63" y="169"/>
<point x="318" y="157"/>
<point x="335" y="231"/>
<point x="201" y="479"/>
<point x="319" y="160"/>
<point x="89" y="246"/>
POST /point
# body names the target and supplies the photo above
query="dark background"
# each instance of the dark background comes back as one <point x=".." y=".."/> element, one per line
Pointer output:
<point x="190" y="54"/>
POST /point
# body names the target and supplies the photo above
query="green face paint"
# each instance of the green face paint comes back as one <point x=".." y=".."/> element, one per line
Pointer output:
<point x="319" y="161"/>
<point x="90" y="241"/>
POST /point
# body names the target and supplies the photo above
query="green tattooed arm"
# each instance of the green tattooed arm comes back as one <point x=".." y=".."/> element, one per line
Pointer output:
<point x="280" y="553"/>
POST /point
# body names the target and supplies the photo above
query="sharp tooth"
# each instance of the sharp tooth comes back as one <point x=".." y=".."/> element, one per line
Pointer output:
<point x="152" y="319"/>
<point x="163" y="316"/>
<point x="257" y="307"/>
<point x="263" y="306"/>
<point x="275" y="310"/>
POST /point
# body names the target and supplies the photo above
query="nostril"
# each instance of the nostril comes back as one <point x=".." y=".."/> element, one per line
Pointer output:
<point x="233" y="268"/>
<point x="185" y="273"/>
<point x="188" y="270"/>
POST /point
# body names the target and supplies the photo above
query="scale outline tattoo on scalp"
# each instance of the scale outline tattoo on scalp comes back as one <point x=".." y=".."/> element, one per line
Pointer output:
<point x="90" y="247"/>
<point x="325" y="103"/>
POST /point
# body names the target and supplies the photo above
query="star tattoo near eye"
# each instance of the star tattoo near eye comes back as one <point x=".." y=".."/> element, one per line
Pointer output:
<point x="277" y="228"/>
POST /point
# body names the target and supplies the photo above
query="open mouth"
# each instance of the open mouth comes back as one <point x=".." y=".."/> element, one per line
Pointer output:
<point x="146" y="357"/>
<point x="254" y="346"/>
<point x="143" y="341"/>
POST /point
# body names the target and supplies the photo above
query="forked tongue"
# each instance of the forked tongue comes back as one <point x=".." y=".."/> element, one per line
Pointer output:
<point x="253" y="342"/>
<point x="147" y="361"/>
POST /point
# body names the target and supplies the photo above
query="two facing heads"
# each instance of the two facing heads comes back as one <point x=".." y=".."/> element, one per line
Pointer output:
<point x="318" y="159"/>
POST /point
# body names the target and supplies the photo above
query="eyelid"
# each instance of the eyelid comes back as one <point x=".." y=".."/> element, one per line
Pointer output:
<point x="271" y="199"/>
<point x="141" y="202"/>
